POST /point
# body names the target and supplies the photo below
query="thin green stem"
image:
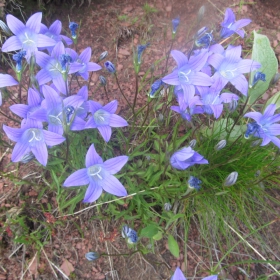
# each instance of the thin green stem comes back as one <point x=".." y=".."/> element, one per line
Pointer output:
<point x="136" y="93"/>
<point x="106" y="93"/>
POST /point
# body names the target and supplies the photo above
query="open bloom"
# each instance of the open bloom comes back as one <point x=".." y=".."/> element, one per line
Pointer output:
<point x="229" y="25"/>
<point x="230" y="67"/>
<point x="27" y="36"/>
<point x="185" y="158"/>
<point x="32" y="138"/>
<point x="98" y="175"/>
<point x="103" y="118"/>
<point x="265" y="126"/>
<point x="178" y="275"/>
<point x="188" y="74"/>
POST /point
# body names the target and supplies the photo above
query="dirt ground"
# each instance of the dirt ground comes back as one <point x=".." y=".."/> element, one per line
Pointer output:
<point x="106" y="26"/>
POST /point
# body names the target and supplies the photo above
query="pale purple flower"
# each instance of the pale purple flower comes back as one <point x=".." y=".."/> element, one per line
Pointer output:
<point x="7" y="81"/>
<point x="54" y="32"/>
<point x="178" y="275"/>
<point x="86" y="65"/>
<point x="212" y="98"/>
<point x="52" y="68"/>
<point x="32" y="138"/>
<point x="230" y="67"/>
<point x="185" y="158"/>
<point x="98" y="175"/>
<point x="25" y="111"/>
<point x="27" y="36"/>
<point x="104" y="117"/>
<point x="229" y="25"/>
<point x="265" y="126"/>
<point x="188" y="74"/>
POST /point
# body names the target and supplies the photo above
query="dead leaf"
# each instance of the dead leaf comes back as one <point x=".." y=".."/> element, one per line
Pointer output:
<point x="34" y="267"/>
<point x="67" y="267"/>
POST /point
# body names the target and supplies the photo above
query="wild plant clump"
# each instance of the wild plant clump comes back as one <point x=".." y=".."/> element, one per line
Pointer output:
<point x="203" y="149"/>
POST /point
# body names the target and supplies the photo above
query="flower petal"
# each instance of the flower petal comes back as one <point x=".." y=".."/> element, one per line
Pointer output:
<point x="43" y="77"/>
<point x="114" y="165"/>
<point x="15" y="24"/>
<point x="20" y="149"/>
<point x="52" y="138"/>
<point x="34" y="98"/>
<point x="13" y="133"/>
<point x="94" y="106"/>
<point x="85" y="55"/>
<point x="60" y="84"/>
<point x="247" y="65"/>
<point x="7" y="80"/>
<point x="92" y="157"/>
<point x="254" y="115"/>
<point x="197" y="62"/>
<point x="113" y="186"/>
<point x="93" y="192"/>
<point x="20" y="110"/>
<point x="40" y="151"/>
<point x="201" y="79"/>
<point x="105" y="132"/>
<point x="241" y="84"/>
<point x="216" y="60"/>
<point x="275" y="141"/>
<point x="93" y="66"/>
<point x="233" y="55"/>
<point x="34" y="22"/>
<point x="180" y="58"/>
<point x="111" y="107"/>
<point x="117" y="121"/>
<point x="42" y="59"/>
<point x="12" y="44"/>
<point x="172" y="78"/>
<point x="56" y="27"/>
<point x="78" y="178"/>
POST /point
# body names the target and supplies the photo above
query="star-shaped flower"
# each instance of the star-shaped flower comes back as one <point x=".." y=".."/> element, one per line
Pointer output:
<point x="98" y="175"/>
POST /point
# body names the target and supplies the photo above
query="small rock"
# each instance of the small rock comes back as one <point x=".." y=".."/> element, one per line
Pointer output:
<point x="168" y="9"/>
<point x="124" y="52"/>
<point x="119" y="67"/>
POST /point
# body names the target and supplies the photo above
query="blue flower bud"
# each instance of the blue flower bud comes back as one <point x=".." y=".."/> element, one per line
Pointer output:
<point x="140" y="50"/>
<point x="194" y="183"/>
<point x="192" y="143"/>
<point x="232" y="105"/>
<point x="252" y="128"/>
<point x="110" y="67"/>
<point x="129" y="234"/>
<point x="27" y="157"/>
<point x="167" y="206"/>
<point x="64" y="60"/>
<point x="18" y="59"/>
<point x="257" y="77"/>
<point x="103" y="55"/>
<point x="231" y="179"/>
<point x="205" y="40"/>
<point x="102" y="80"/>
<point x="92" y="256"/>
<point x="175" y="24"/>
<point x="73" y="27"/>
<point x="155" y="87"/>
<point x="220" y="145"/>
<point x="68" y="110"/>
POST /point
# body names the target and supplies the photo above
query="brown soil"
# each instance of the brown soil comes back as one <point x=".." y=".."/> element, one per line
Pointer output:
<point x="101" y="24"/>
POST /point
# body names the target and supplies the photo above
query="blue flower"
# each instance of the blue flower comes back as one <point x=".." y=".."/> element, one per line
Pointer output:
<point x="194" y="183"/>
<point x="32" y="138"/>
<point x="98" y="175"/>
<point x="18" y="59"/>
<point x="110" y="67"/>
<point x="92" y="256"/>
<point x="129" y="234"/>
<point x="265" y="126"/>
<point x="64" y="60"/>
<point x="229" y="25"/>
<point x="185" y="158"/>
<point x="175" y="24"/>
<point x="155" y="87"/>
<point x="259" y="76"/>
<point x="27" y="36"/>
<point x="73" y="26"/>
<point x="178" y="275"/>
<point x="203" y="39"/>
<point x="140" y="50"/>
<point x="104" y="117"/>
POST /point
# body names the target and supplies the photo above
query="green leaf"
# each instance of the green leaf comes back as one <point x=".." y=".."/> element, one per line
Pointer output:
<point x="173" y="246"/>
<point x="174" y="218"/>
<point x="275" y="99"/>
<point x="264" y="54"/>
<point x="149" y="231"/>
<point x="158" y="236"/>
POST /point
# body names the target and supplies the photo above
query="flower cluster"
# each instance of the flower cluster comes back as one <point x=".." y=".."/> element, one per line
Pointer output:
<point x="178" y="275"/>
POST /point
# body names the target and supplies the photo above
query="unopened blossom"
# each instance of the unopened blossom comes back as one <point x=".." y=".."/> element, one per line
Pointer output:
<point x="231" y="26"/>
<point x="231" y="179"/>
<point x="110" y="67"/>
<point x="104" y="117"/>
<point x="178" y="275"/>
<point x="18" y="57"/>
<point x="155" y="87"/>
<point x="167" y="206"/>
<point x="264" y="125"/>
<point x="73" y="26"/>
<point x="102" y="80"/>
<point x="175" y="24"/>
<point x="92" y="256"/>
<point x="230" y="67"/>
<point x="140" y="50"/>
<point x="102" y="56"/>
<point x="186" y="157"/>
<point x="194" y="183"/>
<point x="221" y="144"/>
<point x="187" y="74"/>
<point x="31" y="137"/>
<point x="26" y="37"/>
<point x="98" y="175"/>
<point x="259" y="76"/>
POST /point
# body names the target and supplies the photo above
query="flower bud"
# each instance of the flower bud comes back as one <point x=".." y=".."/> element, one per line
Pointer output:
<point x="27" y="157"/>
<point x="231" y="179"/>
<point x="103" y="55"/>
<point x="73" y="27"/>
<point x="102" y="80"/>
<point x="160" y="117"/>
<point x="192" y="143"/>
<point x="92" y="256"/>
<point x="167" y="206"/>
<point x="129" y="234"/>
<point x="220" y="145"/>
<point x="175" y="24"/>
<point x="110" y="67"/>
<point x="194" y="183"/>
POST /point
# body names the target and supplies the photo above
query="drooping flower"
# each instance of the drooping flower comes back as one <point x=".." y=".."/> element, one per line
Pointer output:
<point x="265" y="126"/>
<point x="86" y="65"/>
<point x="229" y="25"/>
<point x="54" y="32"/>
<point x="98" y="175"/>
<point x="92" y="256"/>
<point x="230" y="67"/>
<point x="231" y="179"/>
<point x="188" y="74"/>
<point x="25" y="111"/>
<point x="175" y="24"/>
<point x="31" y="137"/>
<point x="185" y="158"/>
<point x="110" y="67"/>
<point x="27" y="36"/>
<point x="104" y="117"/>
<point x="129" y="234"/>
<point x="194" y="183"/>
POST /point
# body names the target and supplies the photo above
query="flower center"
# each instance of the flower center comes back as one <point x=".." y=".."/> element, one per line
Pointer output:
<point x="95" y="172"/>
<point x="228" y="74"/>
<point x="101" y="117"/>
<point x="56" y="119"/>
<point x="34" y="135"/>
<point x="184" y="76"/>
